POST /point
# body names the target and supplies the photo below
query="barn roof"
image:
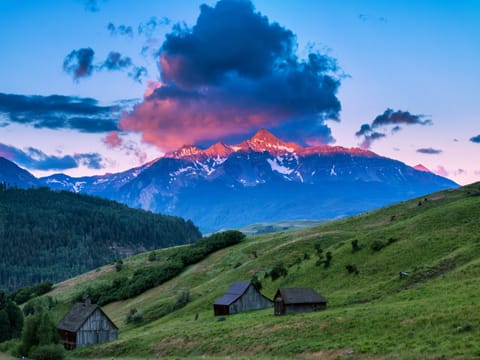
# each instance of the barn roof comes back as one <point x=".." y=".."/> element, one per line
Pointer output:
<point x="300" y="296"/>
<point x="235" y="291"/>
<point x="77" y="316"/>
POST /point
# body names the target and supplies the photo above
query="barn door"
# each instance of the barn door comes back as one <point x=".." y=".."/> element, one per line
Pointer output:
<point x="279" y="306"/>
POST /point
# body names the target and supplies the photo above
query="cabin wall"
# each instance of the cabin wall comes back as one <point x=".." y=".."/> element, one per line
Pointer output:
<point x="250" y="300"/>
<point x="68" y="339"/>
<point x="96" y="329"/>
<point x="301" y="308"/>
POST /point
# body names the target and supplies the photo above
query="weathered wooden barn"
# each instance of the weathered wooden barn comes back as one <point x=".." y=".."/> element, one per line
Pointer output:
<point x="241" y="296"/>
<point x="298" y="300"/>
<point x="86" y="324"/>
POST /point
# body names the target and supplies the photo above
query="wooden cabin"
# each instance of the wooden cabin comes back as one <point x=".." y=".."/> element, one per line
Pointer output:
<point x="86" y="324"/>
<point x="241" y="296"/>
<point x="298" y="300"/>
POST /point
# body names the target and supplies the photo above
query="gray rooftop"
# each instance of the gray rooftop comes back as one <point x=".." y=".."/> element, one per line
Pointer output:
<point x="300" y="296"/>
<point x="77" y="316"/>
<point x="236" y="290"/>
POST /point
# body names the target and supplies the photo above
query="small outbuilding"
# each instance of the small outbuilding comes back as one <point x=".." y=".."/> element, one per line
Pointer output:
<point x="298" y="300"/>
<point x="86" y="324"/>
<point x="241" y="296"/>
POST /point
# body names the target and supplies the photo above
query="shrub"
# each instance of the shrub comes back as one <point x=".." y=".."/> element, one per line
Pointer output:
<point x="306" y="256"/>
<point x="352" y="269"/>
<point x="328" y="259"/>
<point x="377" y="245"/>
<point x="278" y="270"/>
<point x="256" y="282"/>
<point x="48" y="352"/>
<point x="183" y="298"/>
<point x="134" y="316"/>
<point x="355" y="246"/>
<point x="119" y="265"/>
<point x="152" y="256"/>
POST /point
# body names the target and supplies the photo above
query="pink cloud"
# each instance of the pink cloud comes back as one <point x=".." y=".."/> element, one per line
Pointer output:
<point x="440" y="170"/>
<point x="172" y="122"/>
<point x="112" y="140"/>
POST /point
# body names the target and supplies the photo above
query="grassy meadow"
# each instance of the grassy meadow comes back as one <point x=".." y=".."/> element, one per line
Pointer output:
<point x="433" y="313"/>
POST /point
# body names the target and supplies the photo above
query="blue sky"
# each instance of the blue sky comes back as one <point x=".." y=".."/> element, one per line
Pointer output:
<point x="417" y="58"/>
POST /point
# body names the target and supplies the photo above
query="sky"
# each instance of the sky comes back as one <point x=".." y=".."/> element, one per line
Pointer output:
<point x="99" y="86"/>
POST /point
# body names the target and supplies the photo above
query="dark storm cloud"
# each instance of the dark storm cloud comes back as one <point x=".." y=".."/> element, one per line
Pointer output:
<point x="122" y="30"/>
<point x="429" y="151"/>
<point x="79" y="64"/>
<point x="245" y="75"/>
<point x="59" y="112"/>
<point x="32" y="158"/>
<point x="389" y="118"/>
<point x="475" y="139"/>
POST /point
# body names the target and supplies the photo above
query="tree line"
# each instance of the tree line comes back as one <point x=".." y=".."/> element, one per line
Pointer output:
<point x="55" y="235"/>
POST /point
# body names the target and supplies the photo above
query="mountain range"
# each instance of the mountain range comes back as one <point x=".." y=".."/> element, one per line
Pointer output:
<point x="260" y="179"/>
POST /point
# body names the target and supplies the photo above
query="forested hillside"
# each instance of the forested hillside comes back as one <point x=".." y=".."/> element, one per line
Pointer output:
<point x="47" y="235"/>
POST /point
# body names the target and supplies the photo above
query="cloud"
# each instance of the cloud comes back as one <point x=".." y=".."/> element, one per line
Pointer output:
<point x="429" y="151"/>
<point x="440" y="170"/>
<point x="79" y="64"/>
<point x="32" y="158"/>
<point x="59" y="112"/>
<point x="389" y="118"/>
<point x="114" y="141"/>
<point x="91" y="5"/>
<point x="122" y="30"/>
<point x="233" y="72"/>
<point x="148" y="28"/>
<point x="475" y="139"/>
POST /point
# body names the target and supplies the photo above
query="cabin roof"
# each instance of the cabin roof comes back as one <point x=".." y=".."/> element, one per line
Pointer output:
<point x="299" y="296"/>
<point x="77" y="316"/>
<point x="235" y="291"/>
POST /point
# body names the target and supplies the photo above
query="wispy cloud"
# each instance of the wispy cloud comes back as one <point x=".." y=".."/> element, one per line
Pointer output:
<point x="389" y="118"/>
<point x="429" y="151"/>
<point x="122" y="30"/>
<point x="234" y="72"/>
<point x="59" y="112"/>
<point x="80" y="64"/>
<point x="114" y="141"/>
<point x="35" y="159"/>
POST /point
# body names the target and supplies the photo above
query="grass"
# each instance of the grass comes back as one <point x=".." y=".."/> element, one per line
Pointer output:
<point x="433" y="313"/>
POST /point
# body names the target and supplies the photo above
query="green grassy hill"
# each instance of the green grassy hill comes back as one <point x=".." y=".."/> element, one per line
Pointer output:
<point x="434" y="313"/>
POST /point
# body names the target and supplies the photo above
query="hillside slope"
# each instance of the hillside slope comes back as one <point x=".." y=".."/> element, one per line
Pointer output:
<point x="47" y="235"/>
<point x="432" y="313"/>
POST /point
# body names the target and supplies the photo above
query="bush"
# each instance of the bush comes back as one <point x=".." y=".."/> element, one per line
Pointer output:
<point x="278" y="270"/>
<point x="355" y="246"/>
<point x="328" y="259"/>
<point x="377" y="245"/>
<point x="48" y="352"/>
<point x="119" y="265"/>
<point x="256" y="282"/>
<point x="134" y="316"/>
<point x="152" y="256"/>
<point x="352" y="269"/>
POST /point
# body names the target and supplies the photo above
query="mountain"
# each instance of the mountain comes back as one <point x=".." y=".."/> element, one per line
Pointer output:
<point x="264" y="179"/>
<point x="54" y="235"/>
<point x="261" y="179"/>
<point x="12" y="175"/>
<point x="371" y="314"/>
